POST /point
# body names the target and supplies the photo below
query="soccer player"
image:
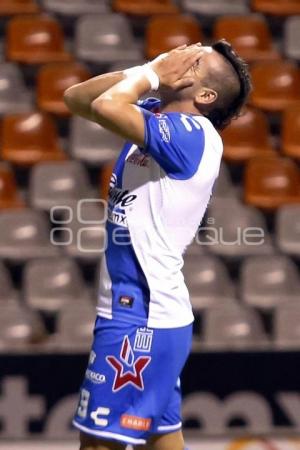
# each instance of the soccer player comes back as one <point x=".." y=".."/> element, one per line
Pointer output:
<point x="159" y="191"/>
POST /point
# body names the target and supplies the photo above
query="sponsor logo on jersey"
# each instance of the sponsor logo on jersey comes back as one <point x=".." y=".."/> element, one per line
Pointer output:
<point x="126" y="301"/>
<point x="164" y="130"/>
<point x="119" y="197"/>
<point x="138" y="159"/>
<point x="133" y="376"/>
<point x="94" y="377"/>
<point x="143" y="340"/>
<point x="92" y="357"/>
<point x="99" y="416"/>
<point x="135" y="423"/>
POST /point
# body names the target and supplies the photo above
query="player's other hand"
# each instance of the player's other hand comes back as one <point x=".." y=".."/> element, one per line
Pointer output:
<point x="171" y="67"/>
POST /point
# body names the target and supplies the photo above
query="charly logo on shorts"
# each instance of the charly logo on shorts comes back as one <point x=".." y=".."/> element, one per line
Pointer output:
<point x="133" y="376"/>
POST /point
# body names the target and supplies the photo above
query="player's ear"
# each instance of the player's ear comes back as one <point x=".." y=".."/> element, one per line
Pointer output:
<point x="206" y="96"/>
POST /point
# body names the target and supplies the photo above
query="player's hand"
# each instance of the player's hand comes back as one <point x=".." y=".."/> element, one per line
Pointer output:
<point x="171" y="67"/>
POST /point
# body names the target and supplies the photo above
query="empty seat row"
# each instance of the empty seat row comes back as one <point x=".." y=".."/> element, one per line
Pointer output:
<point x="228" y="327"/>
<point x="107" y="38"/>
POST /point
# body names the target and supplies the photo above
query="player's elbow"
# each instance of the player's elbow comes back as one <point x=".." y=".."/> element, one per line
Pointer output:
<point x="71" y="99"/>
<point x="102" y="109"/>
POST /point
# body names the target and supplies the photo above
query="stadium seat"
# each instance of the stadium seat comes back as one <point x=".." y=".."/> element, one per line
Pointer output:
<point x="53" y="79"/>
<point x="12" y="7"/>
<point x="145" y="8"/>
<point x="25" y="234"/>
<point x="276" y="85"/>
<point x="14" y="96"/>
<point x="223" y="187"/>
<point x="71" y="8"/>
<point x="234" y="230"/>
<point x="104" y="179"/>
<point x="233" y="327"/>
<point x="271" y="182"/>
<point x="216" y="7"/>
<point x="292" y="37"/>
<point x="84" y="236"/>
<point x="277" y="7"/>
<point x="166" y="32"/>
<point x="269" y="281"/>
<point x="19" y="327"/>
<point x="58" y="184"/>
<point x="105" y="39"/>
<point x="287" y="326"/>
<point x="35" y="40"/>
<point x="290" y="132"/>
<point x="247" y="136"/>
<point x="8" y="294"/>
<point x="288" y="229"/>
<point x="9" y="194"/>
<point x="50" y="284"/>
<point x="249" y="35"/>
<point x="93" y="144"/>
<point x="74" y="328"/>
<point x="30" y="138"/>
<point x="208" y="281"/>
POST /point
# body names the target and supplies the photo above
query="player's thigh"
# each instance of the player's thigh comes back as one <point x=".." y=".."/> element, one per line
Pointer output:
<point x="170" y="441"/>
<point x="91" y="443"/>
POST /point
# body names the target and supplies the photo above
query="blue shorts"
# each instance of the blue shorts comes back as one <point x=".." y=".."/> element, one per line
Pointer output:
<point x="131" y="388"/>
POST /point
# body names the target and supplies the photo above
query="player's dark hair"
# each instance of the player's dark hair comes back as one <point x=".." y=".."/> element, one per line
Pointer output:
<point x="233" y="87"/>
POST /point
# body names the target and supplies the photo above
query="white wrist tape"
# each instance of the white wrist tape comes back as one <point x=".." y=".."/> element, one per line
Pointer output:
<point x="152" y="77"/>
<point x="146" y="71"/>
<point x="136" y="70"/>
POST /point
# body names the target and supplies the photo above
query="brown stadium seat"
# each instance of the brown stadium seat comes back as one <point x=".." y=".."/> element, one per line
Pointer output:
<point x="29" y="138"/>
<point x="249" y="35"/>
<point x="105" y="176"/>
<point x="247" y="136"/>
<point x="35" y="40"/>
<point x="145" y="8"/>
<point x="11" y="7"/>
<point x="277" y="7"/>
<point x="53" y="79"/>
<point x="291" y="132"/>
<point x="9" y="195"/>
<point x="276" y="85"/>
<point x="166" y="32"/>
<point x="272" y="182"/>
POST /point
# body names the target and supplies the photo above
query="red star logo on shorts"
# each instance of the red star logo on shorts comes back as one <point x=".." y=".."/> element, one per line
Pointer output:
<point x="122" y="377"/>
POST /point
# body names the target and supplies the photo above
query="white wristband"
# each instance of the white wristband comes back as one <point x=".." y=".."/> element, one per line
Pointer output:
<point x="152" y="77"/>
<point x="136" y="70"/>
<point x="145" y="70"/>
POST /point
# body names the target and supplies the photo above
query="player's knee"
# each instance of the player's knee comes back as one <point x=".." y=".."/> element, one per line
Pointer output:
<point x="88" y="442"/>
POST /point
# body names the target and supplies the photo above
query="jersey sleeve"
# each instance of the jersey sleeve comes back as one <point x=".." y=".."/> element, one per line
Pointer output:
<point x="175" y="141"/>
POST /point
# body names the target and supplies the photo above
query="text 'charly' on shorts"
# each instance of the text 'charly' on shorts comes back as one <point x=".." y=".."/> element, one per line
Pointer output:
<point x="131" y="388"/>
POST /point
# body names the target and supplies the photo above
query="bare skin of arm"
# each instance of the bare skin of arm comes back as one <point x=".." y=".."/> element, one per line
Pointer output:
<point x="79" y="97"/>
<point x="115" y="106"/>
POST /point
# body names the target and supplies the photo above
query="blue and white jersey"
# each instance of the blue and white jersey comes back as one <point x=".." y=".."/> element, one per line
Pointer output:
<point x="157" y="198"/>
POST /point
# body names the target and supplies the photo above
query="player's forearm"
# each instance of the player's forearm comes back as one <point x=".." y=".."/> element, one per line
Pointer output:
<point x="115" y="109"/>
<point x="79" y="97"/>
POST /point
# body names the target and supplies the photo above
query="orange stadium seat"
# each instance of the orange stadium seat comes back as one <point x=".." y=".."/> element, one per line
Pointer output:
<point x="11" y="7"/>
<point x="276" y="85"/>
<point x="53" y="79"/>
<point x="145" y="8"/>
<point x="272" y="182"/>
<point x="290" y="132"/>
<point x="277" y="7"/>
<point x="105" y="176"/>
<point x="249" y="35"/>
<point x="247" y="136"/>
<point x="29" y="138"/>
<point x="35" y="40"/>
<point x="9" y="194"/>
<point x="166" y="32"/>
